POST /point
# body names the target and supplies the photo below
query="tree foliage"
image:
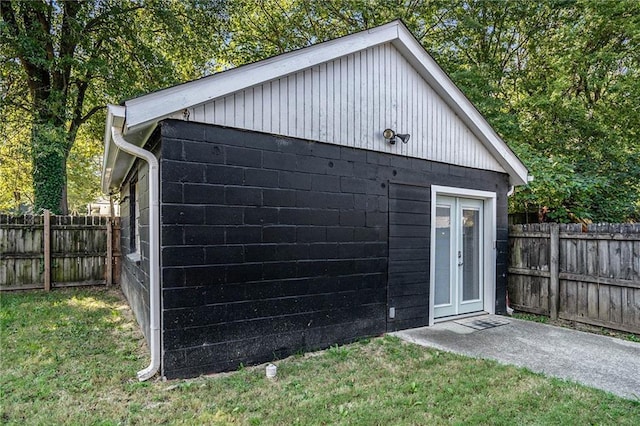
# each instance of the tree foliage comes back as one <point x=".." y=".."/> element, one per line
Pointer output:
<point x="557" y="79"/>
<point x="16" y="191"/>
<point x="66" y="59"/>
<point x="579" y="113"/>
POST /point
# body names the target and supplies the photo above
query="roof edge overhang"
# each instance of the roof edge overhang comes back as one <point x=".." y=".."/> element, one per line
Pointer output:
<point x="139" y="116"/>
<point x="115" y="118"/>
<point x="116" y="163"/>
<point x="155" y="106"/>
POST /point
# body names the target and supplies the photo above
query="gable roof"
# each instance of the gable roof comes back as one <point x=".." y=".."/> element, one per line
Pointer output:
<point x="139" y="116"/>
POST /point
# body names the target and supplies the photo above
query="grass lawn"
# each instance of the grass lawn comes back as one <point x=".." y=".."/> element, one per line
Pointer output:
<point x="70" y="357"/>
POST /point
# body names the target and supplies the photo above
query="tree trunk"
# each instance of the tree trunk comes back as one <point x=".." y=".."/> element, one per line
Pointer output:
<point x="64" y="204"/>
<point x="49" y="152"/>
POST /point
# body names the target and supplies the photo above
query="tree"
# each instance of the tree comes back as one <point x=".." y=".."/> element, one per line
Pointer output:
<point x="576" y="111"/>
<point x="74" y="57"/>
<point x="16" y="190"/>
<point x="260" y="29"/>
<point x="557" y="79"/>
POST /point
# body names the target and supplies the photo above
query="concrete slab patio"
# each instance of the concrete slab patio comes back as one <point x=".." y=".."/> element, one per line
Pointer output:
<point x="601" y="362"/>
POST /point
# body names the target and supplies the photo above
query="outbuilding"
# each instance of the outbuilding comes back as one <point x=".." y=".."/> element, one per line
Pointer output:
<point x="335" y="192"/>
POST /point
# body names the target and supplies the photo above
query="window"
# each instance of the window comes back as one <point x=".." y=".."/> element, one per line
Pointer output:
<point x="134" y="217"/>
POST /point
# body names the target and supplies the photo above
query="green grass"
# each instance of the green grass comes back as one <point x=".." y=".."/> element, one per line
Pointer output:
<point x="531" y="317"/>
<point x="578" y="326"/>
<point x="70" y="357"/>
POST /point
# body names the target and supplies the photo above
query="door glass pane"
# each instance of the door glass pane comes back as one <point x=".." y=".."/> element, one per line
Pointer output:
<point x="443" y="255"/>
<point x="471" y="254"/>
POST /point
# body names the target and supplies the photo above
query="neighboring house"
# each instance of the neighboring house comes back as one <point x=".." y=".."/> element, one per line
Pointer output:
<point x="103" y="207"/>
<point x="287" y="221"/>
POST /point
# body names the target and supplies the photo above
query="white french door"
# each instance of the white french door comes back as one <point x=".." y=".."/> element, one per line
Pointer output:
<point x="459" y="256"/>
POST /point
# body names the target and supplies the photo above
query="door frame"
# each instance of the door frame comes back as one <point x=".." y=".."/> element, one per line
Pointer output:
<point x="489" y="242"/>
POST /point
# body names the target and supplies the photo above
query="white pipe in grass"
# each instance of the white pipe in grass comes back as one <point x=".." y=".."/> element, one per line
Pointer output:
<point x="271" y="371"/>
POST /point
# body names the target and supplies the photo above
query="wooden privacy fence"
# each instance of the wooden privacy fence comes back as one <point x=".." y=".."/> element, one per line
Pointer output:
<point x="58" y="251"/>
<point x="591" y="277"/>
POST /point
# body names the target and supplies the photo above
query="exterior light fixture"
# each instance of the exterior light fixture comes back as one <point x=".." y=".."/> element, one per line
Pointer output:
<point x="391" y="136"/>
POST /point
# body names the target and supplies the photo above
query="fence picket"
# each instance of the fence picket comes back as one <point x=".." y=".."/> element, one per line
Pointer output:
<point x="592" y="300"/>
<point x="582" y="299"/>
<point x="615" y="305"/>
<point x="603" y="303"/>
<point x="47" y="250"/>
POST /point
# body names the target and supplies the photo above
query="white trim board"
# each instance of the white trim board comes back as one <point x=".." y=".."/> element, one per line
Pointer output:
<point x="164" y="103"/>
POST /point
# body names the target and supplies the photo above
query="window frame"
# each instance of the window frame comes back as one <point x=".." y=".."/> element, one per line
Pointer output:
<point x="134" y="220"/>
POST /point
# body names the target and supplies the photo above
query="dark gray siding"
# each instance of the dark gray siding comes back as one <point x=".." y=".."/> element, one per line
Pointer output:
<point x="135" y="274"/>
<point x="272" y="245"/>
<point x="409" y="244"/>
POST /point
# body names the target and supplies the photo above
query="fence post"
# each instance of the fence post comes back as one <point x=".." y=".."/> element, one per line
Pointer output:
<point x="47" y="250"/>
<point x="109" y="261"/>
<point x="554" y="270"/>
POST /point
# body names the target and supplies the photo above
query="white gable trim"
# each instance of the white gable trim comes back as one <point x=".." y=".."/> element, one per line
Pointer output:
<point x="142" y="113"/>
<point x="162" y="104"/>
<point x="349" y="101"/>
<point x="115" y="117"/>
<point x="442" y="84"/>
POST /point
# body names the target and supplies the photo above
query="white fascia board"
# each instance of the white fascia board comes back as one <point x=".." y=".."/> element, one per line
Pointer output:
<point x="115" y="117"/>
<point x="407" y="44"/>
<point x="158" y="105"/>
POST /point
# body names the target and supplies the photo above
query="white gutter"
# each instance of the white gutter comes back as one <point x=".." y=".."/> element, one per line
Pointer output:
<point x="154" y="249"/>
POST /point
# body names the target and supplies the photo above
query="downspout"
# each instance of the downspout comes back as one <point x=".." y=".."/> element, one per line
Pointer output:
<point x="154" y="250"/>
